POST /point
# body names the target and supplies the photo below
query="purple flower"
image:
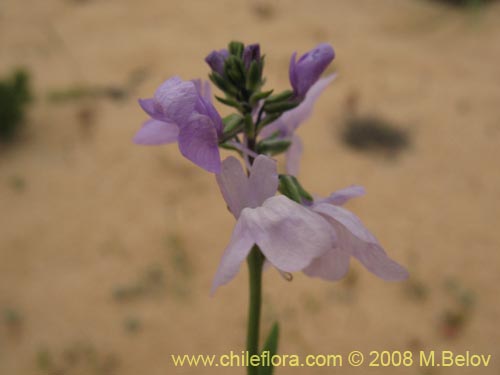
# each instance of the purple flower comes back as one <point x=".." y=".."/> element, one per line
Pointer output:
<point x="287" y="124"/>
<point x="216" y="60"/>
<point x="181" y="111"/>
<point x="288" y="234"/>
<point x="353" y="240"/>
<point x="306" y="71"/>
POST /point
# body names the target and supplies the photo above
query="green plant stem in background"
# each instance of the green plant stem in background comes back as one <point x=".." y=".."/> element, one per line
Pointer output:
<point x="15" y="94"/>
<point x="255" y="262"/>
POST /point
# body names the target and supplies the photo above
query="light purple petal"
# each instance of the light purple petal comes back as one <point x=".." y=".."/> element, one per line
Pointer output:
<point x="347" y="219"/>
<point x="155" y="132"/>
<point x="291" y="120"/>
<point x="293" y="155"/>
<point x="331" y="266"/>
<point x="244" y="149"/>
<point x="284" y="128"/>
<point x="205" y="107"/>
<point x="148" y="106"/>
<point x="233" y="184"/>
<point x="240" y="191"/>
<point x="288" y="234"/>
<point x="340" y="197"/>
<point x="199" y="143"/>
<point x="355" y="238"/>
<point x="374" y="258"/>
<point x="263" y="181"/>
<point x="236" y="252"/>
<point x="204" y="89"/>
<point x="177" y="99"/>
<point x="298" y="115"/>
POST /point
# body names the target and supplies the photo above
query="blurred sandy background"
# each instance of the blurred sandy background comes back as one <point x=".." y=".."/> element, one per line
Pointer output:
<point x="107" y="249"/>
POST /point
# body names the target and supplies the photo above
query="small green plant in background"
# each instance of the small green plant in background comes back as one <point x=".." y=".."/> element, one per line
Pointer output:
<point x="457" y="316"/>
<point x="466" y="3"/>
<point x="76" y="92"/>
<point x="150" y="283"/>
<point x="76" y="358"/>
<point x="13" y="321"/>
<point x="15" y="94"/>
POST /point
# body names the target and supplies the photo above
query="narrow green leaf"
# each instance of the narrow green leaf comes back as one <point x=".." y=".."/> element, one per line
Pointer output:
<point x="288" y="188"/>
<point x="275" y="135"/>
<point x="261" y="66"/>
<point x="303" y="192"/>
<point x="223" y="84"/>
<point x="283" y="96"/>
<point x="236" y="48"/>
<point x="271" y="346"/>
<point x="232" y="119"/>
<point x="257" y="96"/>
<point x="253" y="77"/>
<point x="280" y="106"/>
<point x="230" y="102"/>
<point x="233" y="124"/>
<point x="273" y="146"/>
<point x="227" y="146"/>
<point x="269" y="119"/>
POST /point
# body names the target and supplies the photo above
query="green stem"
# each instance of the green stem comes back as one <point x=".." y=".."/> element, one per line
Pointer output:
<point x="255" y="262"/>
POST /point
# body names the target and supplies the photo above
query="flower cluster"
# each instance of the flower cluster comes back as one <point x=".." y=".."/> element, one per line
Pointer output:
<point x="292" y="230"/>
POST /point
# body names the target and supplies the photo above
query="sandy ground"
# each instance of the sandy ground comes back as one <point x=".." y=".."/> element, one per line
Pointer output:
<point x="107" y="250"/>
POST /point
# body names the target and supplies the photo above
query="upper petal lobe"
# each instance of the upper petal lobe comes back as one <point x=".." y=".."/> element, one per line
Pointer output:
<point x="177" y="99"/>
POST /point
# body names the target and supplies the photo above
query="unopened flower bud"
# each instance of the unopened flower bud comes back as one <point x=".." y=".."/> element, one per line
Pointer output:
<point x="251" y="53"/>
<point x="216" y="60"/>
<point x="306" y="71"/>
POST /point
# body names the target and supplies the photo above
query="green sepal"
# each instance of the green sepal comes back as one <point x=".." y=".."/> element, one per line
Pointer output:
<point x="273" y="146"/>
<point x="223" y="84"/>
<point x="283" y="96"/>
<point x="291" y="187"/>
<point x="261" y="67"/>
<point x="280" y="106"/>
<point x="288" y="188"/>
<point x="236" y="48"/>
<point x="253" y="77"/>
<point x="270" y="118"/>
<point x="303" y="192"/>
<point x="228" y="146"/>
<point x="233" y="124"/>
<point x="235" y="71"/>
<point x="257" y="96"/>
<point x="271" y="346"/>
<point x="274" y="135"/>
<point x="230" y="102"/>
